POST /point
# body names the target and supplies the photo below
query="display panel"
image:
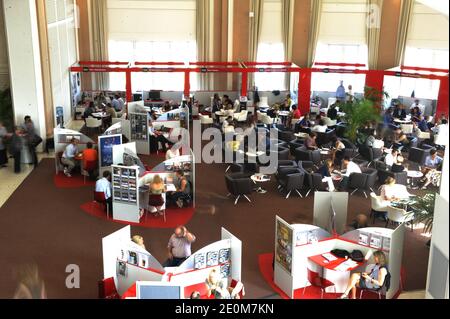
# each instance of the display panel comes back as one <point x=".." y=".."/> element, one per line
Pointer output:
<point x="139" y="127"/>
<point x="106" y="144"/>
<point x="124" y="181"/>
<point x="283" y="250"/>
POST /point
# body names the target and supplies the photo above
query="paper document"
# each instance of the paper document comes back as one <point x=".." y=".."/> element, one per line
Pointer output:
<point x="346" y="265"/>
<point x="329" y="257"/>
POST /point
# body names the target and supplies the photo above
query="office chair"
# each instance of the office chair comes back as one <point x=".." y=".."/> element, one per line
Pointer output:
<point x="99" y="197"/>
<point x="316" y="281"/>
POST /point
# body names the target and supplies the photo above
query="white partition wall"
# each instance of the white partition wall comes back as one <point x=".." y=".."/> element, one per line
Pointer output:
<point x="395" y="260"/>
<point x="330" y="211"/>
<point x="438" y="264"/>
<point x="118" y="151"/>
<point x="236" y="254"/>
<point x="284" y="241"/>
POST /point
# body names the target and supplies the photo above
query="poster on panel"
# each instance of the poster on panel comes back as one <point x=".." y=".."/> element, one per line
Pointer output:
<point x="106" y="144"/>
<point x="283" y="245"/>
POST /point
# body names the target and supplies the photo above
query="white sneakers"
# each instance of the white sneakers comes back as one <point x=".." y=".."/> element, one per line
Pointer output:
<point x="66" y="172"/>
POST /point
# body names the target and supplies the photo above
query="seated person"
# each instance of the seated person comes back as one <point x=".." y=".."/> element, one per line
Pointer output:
<point x="398" y="167"/>
<point x="391" y="157"/>
<point x="421" y="124"/>
<point x="415" y="114"/>
<point x="138" y="240"/>
<point x="320" y="127"/>
<point x="372" y="141"/>
<point x="337" y="151"/>
<point x="111" y="111"/>
<point x="388" y="191"/>
<point x="325" y="170"/>
<point x="90" y="160"/>
<point x="296" y="114"/>
<point x="68" y="157"/>
<point x="400" y="139"/>
<point x="372" y="279"/>
<point x="332" y="112"/>
<point x="183" y="187"/>
<point x="432" y="170"/>
<point x="158" y="136"/>
<point x="387" y="117"/>
<point x="310" y="141"/>
<point x="350" y="167"/>
<point x="360" y="221"/>
<point x="195" y="295"/>
<point x="217" y="287"/>
<point x="89" y="110"/>
<point x="305" y="123"/>
<point x="155" y="199"/>
<point x="399" y="112"/>
<point x="103" y="185"/>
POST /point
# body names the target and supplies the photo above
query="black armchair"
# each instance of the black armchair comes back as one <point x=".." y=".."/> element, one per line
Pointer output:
<point x="350" y="149"/>
<point x="324" y="139"/>
<point x="370" y="154"/>
<point x="418" y="156"/>
<point x="340" y="130"/>
<point x="283" y="153"/>
<point x="400" y="177"/>
<point x="364" y="181"/>
<point x="285" y="135"/>
<point x="287" y="164"/>
<point x="315" y="183"/>
<point x="303" y="154"/>
<point x="294" y="144"/>
<point x="290" y="179"/>
<point x="239" y="185"/>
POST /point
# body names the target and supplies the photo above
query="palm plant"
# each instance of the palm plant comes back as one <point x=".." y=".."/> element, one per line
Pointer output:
<point x="422" y="207"/>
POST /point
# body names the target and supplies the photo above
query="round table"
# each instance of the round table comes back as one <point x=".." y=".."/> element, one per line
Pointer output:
<point x="414" y="175"/>
<point x="260" y="178"/>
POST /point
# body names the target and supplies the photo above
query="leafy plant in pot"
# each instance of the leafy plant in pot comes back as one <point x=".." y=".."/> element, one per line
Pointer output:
<point x="360" y="113"/>
<point x="6" y="109"/>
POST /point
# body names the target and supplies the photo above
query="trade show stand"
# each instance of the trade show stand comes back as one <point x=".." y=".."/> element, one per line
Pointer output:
<point x="303" y="252"/>
<point x="63" y="138"/>
<point x="136" y="271"/>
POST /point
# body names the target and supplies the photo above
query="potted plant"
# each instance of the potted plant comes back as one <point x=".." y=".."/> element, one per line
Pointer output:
<point x="6" y="109"/>
<point x="360" y="113"/>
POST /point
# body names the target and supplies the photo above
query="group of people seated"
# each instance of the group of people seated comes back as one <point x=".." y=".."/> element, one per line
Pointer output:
<point x="73" y="158"/>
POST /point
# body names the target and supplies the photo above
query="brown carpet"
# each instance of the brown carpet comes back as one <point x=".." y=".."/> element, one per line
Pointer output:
<point x="43" y="224"/>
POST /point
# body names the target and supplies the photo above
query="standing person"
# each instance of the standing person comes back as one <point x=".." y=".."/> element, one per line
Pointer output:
<point x="340" y="92"/>
<point x="350" y="93"/>
<point x="3" y="155"/>
<point x="16" y="145"/>
<point x="31" y="138"/>
<point x="103" y="185"/>
<point x="68" y="157"/>
<point x="179" y="247"/>
<point x="417" y="104"/>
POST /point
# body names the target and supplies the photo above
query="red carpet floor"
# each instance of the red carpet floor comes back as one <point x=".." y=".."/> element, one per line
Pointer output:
<point x="76" y="181"/>
<point x="265" y="267"/>
<point x="174" y="216"/>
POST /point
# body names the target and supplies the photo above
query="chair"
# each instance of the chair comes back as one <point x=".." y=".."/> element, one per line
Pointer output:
<point x="79" y="111"/>
<point x="294" y="144"/>
<point x="239" y="185"/>
<point x="384" y="173"/>
<point x="370" y="154"/>
<point x="241" y="116"/>
<point x="341" y="129"/>
<point x="350" y="149"/>
<point x="316" y="281"/>
<point x="283" y="153"/>
<point x="418" y="155"/>
<point x="303" y="154"/>
<point x="287" y="164"/>
<point x="329" y="122"/>
<point x="99" y="197"/>
<point x="364" y="181"/>
<point x="92" y="123"/>
<point x="324" y="139"/>
<point x="397" y="216"/>
<point x="285" y="135"/>
<point x="290" y="179"/>
<point x="407" y="128"/>
<point x="115" y="120"/>
<point x="315" y="183"/>
<point x="377" y="206"/>
<point x="379" y="291"/>
<point x="107" y="289"/>
<point x="88" y="167"/>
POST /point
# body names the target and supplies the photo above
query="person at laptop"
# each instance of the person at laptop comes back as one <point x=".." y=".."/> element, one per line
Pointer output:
<point x="350" y="167"/>
<point x="158" y="136"/>
<point x="373" y="278"/>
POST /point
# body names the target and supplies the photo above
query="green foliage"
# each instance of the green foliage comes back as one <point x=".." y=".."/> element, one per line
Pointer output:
<point x="422" y="207"/>
<point x="6" y="109"/>
<point x="358" y="114"/>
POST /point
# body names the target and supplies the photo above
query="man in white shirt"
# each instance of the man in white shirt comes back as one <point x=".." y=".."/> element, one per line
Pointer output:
<point x="350" y="167"/>
<point x="226" y="123"/>
<point x="320" y="127"/>
<point x="390" y="158"/>
<point x="173" y="152"/>
<point x="441" y="133"/>
<point x="103" y="185"/>
<point x="68" y="157"/>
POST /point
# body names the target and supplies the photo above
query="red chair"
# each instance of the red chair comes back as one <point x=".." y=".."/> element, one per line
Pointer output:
<point x="107" y="289"/>
<point x="88" y="167"/>
<point x="99" y="197"/>
<point x="316" y="281"/>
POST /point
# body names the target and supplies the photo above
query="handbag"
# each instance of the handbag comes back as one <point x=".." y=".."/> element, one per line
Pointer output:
<point x="35" y="140"/>
<point x="357" y="255"/>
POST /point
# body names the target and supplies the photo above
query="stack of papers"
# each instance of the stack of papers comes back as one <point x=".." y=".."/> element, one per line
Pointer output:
<point x="329" y="257"/>
<point x="346" y="265"/>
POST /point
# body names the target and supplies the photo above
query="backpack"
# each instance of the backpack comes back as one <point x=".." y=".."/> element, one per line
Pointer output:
<point x="387" y="279"/>
<point x="340" y="253"/>
<point x="357" y="255"/>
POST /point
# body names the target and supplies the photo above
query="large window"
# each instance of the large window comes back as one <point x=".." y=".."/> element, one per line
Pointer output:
<point x="133" y="51"/>
<point x="338" y="53"/>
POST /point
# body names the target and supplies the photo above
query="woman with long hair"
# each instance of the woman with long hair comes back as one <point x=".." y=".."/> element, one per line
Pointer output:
<point x="155" y="199"/>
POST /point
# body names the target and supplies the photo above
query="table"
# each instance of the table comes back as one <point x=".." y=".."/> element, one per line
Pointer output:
<point x="414" y="175"/>
<point x="301" y="135"/>
<point x="260" y="178"/>
<point x="284" y="115"/>
<point x="332" y="270"/>
<point x="402" y="121"/>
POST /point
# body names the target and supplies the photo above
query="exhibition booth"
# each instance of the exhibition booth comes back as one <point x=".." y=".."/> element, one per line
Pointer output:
<point x="303" y="253"/>
<point x="139" y="275"/>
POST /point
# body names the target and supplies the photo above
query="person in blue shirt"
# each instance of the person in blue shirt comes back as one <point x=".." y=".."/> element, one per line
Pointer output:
<point x="422" y="124"/>
<point x="340" y="92"/>
<point x="387" y="117"/>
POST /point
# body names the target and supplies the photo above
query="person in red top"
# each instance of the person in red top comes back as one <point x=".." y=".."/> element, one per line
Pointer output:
<point x="90" y="160"/>
<point x="296" y="114"/>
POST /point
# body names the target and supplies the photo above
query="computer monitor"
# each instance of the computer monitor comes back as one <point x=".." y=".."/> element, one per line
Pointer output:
<point x="154" y="95"/>
<point x="158" y="290"/>
<point x="137" y="97"/>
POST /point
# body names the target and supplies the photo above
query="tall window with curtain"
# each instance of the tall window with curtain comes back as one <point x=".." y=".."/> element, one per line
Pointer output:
<point x="271" y="46"/>
<point x="154" y="30"/>
<point x="342" y="38"/>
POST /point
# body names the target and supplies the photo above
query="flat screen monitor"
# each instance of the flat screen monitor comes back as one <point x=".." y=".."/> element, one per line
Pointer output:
<point x="137" y="97"/>
<point x="158" y="290"/>
<point x="154" y="95"/>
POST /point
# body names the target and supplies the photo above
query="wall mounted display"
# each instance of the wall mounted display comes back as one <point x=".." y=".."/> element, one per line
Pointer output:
<point x="225" y="270"/>
<point x="312" y="237"/>
<point x="124" y="182"/>
<point x="363" y="239"/>
<point x="199" y="261"/>
<point x="283" y="248"/>
<point x="139" y="127"/>
<point x="224" y="255"/>
<point x="386" y="244"/>
<point x="122" y="268"/>
<point x="375" y="241"/>
<point x="212" y="258"/>
<point x="301" y="238"/>
<point x="106" y="144"/>
<point x="132" y="258"/>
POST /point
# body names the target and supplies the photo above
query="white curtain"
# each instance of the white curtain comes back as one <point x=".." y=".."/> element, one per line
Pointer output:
<point x="406" y="13"/>
<point x="99" y="24"/>
<point x="287" y="12"/>
<point x="314" y="29"/>
<point x="257" y="7"/>
<point x="373" y="22"/>
<point x="203" y="29"/>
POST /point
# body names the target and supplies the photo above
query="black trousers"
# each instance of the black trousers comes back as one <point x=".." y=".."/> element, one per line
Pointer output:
<point x="17" y="162"/>
<point x="174" y="262"/>
<point x="33" y="154"/>
<point x="344" y="183"/>
<point x="109" y="204"/>
<point x="3" y="157"/>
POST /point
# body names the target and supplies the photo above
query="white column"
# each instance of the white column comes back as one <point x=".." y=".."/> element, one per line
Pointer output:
<point x="25" y="62"/>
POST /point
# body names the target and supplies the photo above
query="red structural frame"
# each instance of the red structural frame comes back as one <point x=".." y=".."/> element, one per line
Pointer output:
<point x="374" y="78"/>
